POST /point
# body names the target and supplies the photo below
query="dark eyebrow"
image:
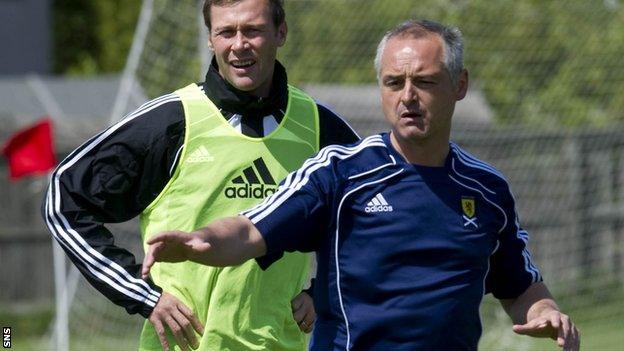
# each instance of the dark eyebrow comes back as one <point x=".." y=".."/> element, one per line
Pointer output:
<point x="245" y="26"/>
<point x="427" y="77"/>
<point x="222" y="28"/>
<point x="391" y="76"/>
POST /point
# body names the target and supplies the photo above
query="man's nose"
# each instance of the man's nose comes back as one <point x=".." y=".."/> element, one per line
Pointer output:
<point x="240" y="42"/>
<point x="408" y="95"/>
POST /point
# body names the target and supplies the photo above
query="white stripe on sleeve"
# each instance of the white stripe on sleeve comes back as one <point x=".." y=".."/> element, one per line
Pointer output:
<point x="100" y="266"/>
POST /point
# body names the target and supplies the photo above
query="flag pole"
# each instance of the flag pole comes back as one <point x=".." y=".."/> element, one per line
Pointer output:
<point x="61" y="321"/>
<point x="61" y="329"/>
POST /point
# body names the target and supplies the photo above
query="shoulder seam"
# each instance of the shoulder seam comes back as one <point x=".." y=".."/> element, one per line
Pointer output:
<point x="472" y="162"/>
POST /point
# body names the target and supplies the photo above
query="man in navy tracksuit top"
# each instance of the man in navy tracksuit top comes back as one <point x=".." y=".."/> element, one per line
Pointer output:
<point x="410" y="230"/>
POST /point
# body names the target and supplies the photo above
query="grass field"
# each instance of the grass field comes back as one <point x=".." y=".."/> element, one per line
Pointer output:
<point x="601" y="325"/>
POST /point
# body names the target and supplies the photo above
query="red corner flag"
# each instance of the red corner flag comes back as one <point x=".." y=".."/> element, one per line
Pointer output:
<point x="30" y="150"/>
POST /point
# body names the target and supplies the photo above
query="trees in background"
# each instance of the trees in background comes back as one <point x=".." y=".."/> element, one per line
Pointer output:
<point x="547" y="63"/>
<point x="92" y="37"/>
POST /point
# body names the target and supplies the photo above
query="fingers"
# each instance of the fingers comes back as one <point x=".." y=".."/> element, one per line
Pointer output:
<point x="303" y="312"/>
<point x="162" y="237"/>
<point x="566" y="332"/>
<point x="554" y="322"/>
<point x="556" y="326"/>
<point x="303" y="319"/>
<point x="171" y="313"/>
<point x="160" y="331"/>
<point x="298" y="309"/>
<point x="305" y="327"/>
<point x="178" y="332"/>
<point x="575" y="340"/>
<point x="149" y="260"/>
<point x="195" y="323"/>
<point x="175" y="246"/>
<point x="531" y="328"/>
<point x="297" y="302"/>
<point x="561" y="329"/>
<point x="568" y="336"/>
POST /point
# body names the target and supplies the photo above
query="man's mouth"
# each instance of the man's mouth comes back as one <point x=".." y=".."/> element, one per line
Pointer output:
<point x="242" y="63"/>
<point x="411" y="114"/>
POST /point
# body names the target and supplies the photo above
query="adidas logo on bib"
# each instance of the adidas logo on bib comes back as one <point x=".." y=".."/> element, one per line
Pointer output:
<point x="249" y="185"/>
<point x="200" y="155"/>
<point x="378" y="204"/>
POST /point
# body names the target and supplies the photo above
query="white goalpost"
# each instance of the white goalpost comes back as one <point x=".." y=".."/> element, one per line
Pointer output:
<point x="84" y="318"/>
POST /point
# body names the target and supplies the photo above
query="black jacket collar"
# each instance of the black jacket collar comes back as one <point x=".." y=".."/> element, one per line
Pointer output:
<point x="232" y="100"/>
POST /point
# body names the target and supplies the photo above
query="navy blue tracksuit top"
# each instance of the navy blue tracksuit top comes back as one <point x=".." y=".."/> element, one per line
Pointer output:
<point x="405" y="252"/>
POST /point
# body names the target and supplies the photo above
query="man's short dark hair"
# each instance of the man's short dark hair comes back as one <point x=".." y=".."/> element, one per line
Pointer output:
<point x="277" y="10"/>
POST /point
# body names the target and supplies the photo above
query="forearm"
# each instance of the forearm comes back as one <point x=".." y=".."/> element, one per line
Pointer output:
<point x="232" y="240"/>
<point x="534" y="302"/>
<point x="110" y="269"/>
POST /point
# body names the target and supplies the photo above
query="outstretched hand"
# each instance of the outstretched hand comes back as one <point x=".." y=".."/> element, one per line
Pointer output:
<point x="554" y="325"/>
<point x="173" y="246"/>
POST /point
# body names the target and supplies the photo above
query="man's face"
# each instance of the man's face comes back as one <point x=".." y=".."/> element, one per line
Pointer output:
<point x="245" y="41"/>
<point x="417" y="94"/>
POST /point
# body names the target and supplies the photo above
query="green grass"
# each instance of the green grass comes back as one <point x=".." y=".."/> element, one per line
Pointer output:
<point x="29" y="324"/>
<point x="27" y="319"/>
<point x="94" y="343"/>
<point x="601" y="325"/>
<point x="30" y="329"/>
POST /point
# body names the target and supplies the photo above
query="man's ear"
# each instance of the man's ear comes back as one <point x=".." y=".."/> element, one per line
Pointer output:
<point x="282" y="32"/>
<point x="462" y="85"/>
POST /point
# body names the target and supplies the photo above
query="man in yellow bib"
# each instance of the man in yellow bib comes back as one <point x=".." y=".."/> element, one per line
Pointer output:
<point x="203" y="152"/>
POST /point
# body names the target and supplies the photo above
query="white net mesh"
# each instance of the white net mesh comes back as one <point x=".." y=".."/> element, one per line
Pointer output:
<point x="171" y="57"/>
<point x="545" y="107"/>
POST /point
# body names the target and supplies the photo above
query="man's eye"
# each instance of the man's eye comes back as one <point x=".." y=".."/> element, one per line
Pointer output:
<point x="427" y="82"/>
<point x="252" y="32"/>
<point x="225" y="33"/>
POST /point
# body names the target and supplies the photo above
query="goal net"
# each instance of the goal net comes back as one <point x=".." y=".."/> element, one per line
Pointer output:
<point x="168" y="52"/>
<point x="545" y="107"/>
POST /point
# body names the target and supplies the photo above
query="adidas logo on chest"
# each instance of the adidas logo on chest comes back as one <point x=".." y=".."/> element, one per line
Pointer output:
<point x="256" y="182"/>
<point x="378" y="204"/>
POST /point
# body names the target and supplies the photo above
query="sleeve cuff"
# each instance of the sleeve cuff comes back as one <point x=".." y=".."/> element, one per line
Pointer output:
<point x="267" y="260"/>
<point x="144" y="309"/>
